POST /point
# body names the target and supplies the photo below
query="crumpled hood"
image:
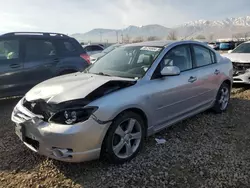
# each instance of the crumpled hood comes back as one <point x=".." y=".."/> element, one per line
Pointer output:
<point x="238" y="57"/>
<point x="69" y="87"/>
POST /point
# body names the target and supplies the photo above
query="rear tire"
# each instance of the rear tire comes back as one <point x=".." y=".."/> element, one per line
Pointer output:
<point x="125" y="138"/>
<point x="222" y="99"/>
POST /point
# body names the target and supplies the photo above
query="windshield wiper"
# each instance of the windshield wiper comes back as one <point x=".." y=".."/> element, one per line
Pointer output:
<point x="101" y="73"/>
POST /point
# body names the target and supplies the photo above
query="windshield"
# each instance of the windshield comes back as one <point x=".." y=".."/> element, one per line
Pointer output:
<point x="110" y="48"/>
<point x="128" y="62"/>
<point x="242" y="48"/>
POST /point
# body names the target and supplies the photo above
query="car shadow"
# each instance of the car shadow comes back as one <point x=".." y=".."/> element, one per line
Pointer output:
<point x="15" y="156"/>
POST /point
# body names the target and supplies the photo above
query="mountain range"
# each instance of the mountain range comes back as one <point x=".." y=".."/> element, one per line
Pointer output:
<point x="208" y="29"/>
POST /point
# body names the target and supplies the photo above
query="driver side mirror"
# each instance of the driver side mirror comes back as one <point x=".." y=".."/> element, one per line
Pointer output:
<point x="229" y="51"/>
<point x="170" y="71"/>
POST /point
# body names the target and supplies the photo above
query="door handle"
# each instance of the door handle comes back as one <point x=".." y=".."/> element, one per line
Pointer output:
<point x="56" y="60"/>
<point x="216" y="72"/>
<point x="192" y="79"/>
<point x="14" y="66"/>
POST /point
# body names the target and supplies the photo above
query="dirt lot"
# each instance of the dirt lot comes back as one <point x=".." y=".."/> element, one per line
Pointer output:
<point x="207" y="150"/>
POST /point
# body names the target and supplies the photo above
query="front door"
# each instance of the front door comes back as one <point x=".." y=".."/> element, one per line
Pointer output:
<point x="175" y="96"/>
<point x="11" y="67"/>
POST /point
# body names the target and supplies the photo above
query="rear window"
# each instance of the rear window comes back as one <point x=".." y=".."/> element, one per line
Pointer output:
<point x="97" y="48"/>
<point x="67" y="47"/>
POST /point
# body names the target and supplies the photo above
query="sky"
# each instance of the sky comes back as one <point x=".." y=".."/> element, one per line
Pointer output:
<point x="79" y="16"/>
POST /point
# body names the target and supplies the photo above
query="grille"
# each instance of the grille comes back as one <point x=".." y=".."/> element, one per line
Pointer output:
<point x="39" y="108"/>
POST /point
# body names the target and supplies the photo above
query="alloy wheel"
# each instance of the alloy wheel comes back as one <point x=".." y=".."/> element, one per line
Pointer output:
<point x="127" y="138"/>
<point x="224" y="98"/>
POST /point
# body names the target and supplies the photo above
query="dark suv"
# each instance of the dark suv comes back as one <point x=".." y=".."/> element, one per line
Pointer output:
<point x="29" y="58"/>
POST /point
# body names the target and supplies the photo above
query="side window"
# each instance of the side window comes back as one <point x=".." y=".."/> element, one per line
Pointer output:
<point x="9" y="49"/>
<point x="202" y="56"/>
<point x="69" y="47"/>
<point x="97" y="48"/>
<point x="39" y="49"/>
<point x="88" y="49"/>
<point x="179" y="56"/>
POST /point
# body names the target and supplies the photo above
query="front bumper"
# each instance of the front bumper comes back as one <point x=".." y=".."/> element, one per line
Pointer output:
<point x="71" y="143"/>
<point x="242" y="78"/>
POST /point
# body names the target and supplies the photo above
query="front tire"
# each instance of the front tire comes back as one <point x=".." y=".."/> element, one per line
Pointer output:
<point x="222" y="98"/>
<point x="125" y="137"/>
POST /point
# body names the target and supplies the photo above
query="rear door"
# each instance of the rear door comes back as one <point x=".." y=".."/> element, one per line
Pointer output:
<point x="40" y="60"/>
<point x="11" y="67"/>
<point x="208" y="73"/>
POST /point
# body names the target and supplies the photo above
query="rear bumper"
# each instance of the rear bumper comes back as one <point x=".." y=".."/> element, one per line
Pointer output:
<point x="70" y="143"/>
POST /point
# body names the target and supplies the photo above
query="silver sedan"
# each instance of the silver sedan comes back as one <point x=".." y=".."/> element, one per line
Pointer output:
<point x="132" y="92"/>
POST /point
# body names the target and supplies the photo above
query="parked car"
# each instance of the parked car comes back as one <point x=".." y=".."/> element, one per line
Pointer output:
<point x="95" y="57"/>
<point x="214" y="45"/>
<point x="240" y="57"/>
<point x="92" y="49"/>
<point x="225" y="46"/>
<point x="132" y="92"/>
<point x="27" y="59"/>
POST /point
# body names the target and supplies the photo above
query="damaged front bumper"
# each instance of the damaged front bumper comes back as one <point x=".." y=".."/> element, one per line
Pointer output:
<point x="241" y="73"/>
<point x="71" y="143"/>
<point x="242" y="78"/>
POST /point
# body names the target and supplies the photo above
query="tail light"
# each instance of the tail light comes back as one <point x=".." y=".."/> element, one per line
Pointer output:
<point x="85" y="57"/>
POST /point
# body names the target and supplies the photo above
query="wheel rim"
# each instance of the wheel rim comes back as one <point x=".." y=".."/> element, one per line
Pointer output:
<point x="127" y="138"/>
<point x="224" y="98"/>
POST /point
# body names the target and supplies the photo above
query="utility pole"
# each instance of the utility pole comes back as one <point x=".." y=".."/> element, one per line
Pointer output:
<point x="122" y="37"/>
<point x="100" y="36"/>
<point x="117" y="38"/>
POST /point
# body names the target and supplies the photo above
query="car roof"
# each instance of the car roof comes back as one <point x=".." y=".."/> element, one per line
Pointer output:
<point x="160" y="43"/>
<point x="34" y="34"/>
<point x="165" y="43"/>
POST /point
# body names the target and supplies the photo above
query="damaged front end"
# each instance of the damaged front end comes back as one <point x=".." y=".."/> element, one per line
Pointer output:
<point x="74" y="111"/>
<point x="240" y="68"/>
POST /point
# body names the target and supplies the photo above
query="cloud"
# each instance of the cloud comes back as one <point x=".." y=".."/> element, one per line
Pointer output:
<point x="76" y="16"/>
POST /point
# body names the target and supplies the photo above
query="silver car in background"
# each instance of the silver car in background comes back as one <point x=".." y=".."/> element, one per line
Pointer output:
<point x="92" y="49"/>
<point x="240" y="58"/>
<point x="132" y="92"/>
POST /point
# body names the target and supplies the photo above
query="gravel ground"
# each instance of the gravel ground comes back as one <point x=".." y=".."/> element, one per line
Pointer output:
<point x="207" y="150"/>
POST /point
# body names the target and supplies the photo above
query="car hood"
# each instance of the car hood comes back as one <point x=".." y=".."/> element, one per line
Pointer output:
<point x="76" y="86"/>
<point x="238" y="57"/>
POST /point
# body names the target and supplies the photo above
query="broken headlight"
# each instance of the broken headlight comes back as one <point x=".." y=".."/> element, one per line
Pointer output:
<point x="73" y="115"/>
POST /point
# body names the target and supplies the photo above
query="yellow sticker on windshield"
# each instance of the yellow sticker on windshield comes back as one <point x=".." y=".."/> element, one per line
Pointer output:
<point x="152" y="49"/>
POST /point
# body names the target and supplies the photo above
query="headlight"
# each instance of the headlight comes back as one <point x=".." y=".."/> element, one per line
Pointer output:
<point x="73" y="115"/>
